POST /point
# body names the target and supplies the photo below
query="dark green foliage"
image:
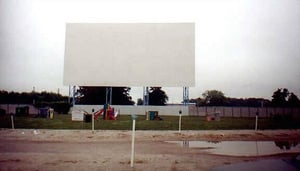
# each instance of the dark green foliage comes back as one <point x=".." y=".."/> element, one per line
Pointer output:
<point x="61" y="107"/>
<point x="30" y="98"/>
<point x="283" y="98"/>
<point x="198" y="101"/>
<point x="140" y="101"/>
<point x="280" y="97"/>
<point x="293" y="100"/>
<point x="120" y="96"/>
<point x="214" y="98"/>
<point x="90" y="95"/>
<point x="249" y="102"/>
<point x="97" y="95"/>
<point x="157" y="97"/>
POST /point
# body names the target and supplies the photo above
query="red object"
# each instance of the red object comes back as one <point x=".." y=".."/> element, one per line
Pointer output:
<point x="109" y="114"/>
<point x="98" y="113"/>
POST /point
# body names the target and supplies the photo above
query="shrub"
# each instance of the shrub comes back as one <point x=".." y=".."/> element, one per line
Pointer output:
<point x="61" y="107"/>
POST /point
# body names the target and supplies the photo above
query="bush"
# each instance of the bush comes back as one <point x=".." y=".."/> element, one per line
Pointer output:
<point x="42" y="104"/>
<point x="61" y="107"/>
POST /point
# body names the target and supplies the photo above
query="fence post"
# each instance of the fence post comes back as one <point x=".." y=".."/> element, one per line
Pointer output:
<point x="12" y="121"/>
<point x="132" y="139"/>
<point x="256" y="118"/>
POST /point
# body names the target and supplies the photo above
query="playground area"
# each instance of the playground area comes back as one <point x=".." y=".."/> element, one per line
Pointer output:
<point x="28" y="149"/>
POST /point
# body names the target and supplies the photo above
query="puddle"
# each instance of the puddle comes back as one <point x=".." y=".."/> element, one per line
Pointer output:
<point x="242" y="148"/>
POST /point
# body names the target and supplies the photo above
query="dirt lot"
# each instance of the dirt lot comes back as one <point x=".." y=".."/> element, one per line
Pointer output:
<point x="110" y="150"/>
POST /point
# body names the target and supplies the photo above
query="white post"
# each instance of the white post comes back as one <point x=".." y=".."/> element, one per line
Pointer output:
<point x="93" y="123"/>
<point x="179" y="124"/>
<point x="12" y="122"/>
<point x="132" y="142"/>
<point x="256" y="118"/>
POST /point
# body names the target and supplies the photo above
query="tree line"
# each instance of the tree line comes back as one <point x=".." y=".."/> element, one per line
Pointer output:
<point x="30" y="97"/>
<point x="280" y="98"/>
<point x="97" y="95"/>
<point x="83" y="95"/>
<point x="121" y="96"/>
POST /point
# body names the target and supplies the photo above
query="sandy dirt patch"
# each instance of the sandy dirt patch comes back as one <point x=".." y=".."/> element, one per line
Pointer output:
<point x="26" y="149"/>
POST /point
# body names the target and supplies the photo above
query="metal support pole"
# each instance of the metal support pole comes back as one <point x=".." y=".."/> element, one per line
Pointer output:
<point x="185" y="103"/>
<point x="185" y="96"/>
<point x="108" y="97"/>
<point x="73" y="101"/>
<point x="146" y="96"/>
<point x="69" y="98"/>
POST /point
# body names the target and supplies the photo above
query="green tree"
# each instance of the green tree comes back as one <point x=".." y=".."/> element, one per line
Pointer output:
<point x="29" y="97"/>
<point x="97" y="95"/>
<point x="90" y="95"/>
<point x="121" y="96"/>
<point x="293" y="100"/>
<point x="198" y="101"/>
<point x="140" y="101"/>
<point x="280" y="97"/>
<point x="214" y="98"/>
<point x="157" y="96"/>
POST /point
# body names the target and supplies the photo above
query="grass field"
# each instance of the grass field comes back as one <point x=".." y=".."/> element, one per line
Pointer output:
<point x="124" y="122"/>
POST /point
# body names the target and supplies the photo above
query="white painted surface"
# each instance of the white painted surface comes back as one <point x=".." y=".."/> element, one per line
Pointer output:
<point x="77" y="115"/>
<point x="130" y="54"/>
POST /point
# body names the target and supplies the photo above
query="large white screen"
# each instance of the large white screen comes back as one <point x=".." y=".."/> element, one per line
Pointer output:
<point x="130" y="54"/>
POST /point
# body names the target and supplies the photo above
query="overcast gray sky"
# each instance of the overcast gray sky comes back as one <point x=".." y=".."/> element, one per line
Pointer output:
<point x="244" y="48"/>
